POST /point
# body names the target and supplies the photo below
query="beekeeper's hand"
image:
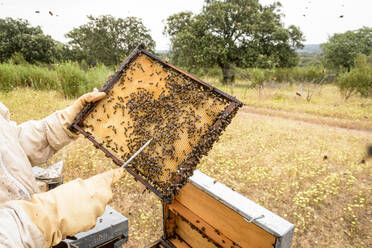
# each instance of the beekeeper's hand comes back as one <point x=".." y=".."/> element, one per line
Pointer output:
<point x="69" y="113"/>
<point x="72" y="207"/>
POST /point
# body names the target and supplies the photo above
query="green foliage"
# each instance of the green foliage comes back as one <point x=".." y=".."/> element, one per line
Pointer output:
<point x="68" y="78"/>
<point x="17" y="59"/>
<point x="342" y="49"/>
<point x="309" y="74"/>
<point x="231" y="33"/>
<point x="257" y="77"/>
<point x="17" y="35"/>
<point x="12" y="76"/>
<point x="73" y="79"/>
<point x="214" y="72"/>
<point x="97" y="76"/>
<point x="310" y="59"/>
<point x="105" y="39"/>
<point x="358" y="80"/>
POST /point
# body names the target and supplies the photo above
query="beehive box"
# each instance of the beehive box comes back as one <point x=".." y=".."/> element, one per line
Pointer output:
<point x="208" y="214"/>
<point x="148" y="98"/>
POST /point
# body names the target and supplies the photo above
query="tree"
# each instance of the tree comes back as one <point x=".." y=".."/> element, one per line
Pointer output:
<point x="18" y="36"/>
<point x="232" y="33"/>
<point x="342" y="49"/>
<point x="107" y="39"/>
<point x="358" y="80"/>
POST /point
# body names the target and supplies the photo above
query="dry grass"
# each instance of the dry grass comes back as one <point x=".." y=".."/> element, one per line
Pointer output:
<point x="278" y="163"/>
<point x="326" y="102"/>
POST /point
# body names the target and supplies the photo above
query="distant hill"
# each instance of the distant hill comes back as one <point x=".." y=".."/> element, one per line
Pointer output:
<point x="310" y="48"/>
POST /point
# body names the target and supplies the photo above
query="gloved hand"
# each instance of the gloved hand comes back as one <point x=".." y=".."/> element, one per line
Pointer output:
<point x="72" y="207"/>
<point x="68" y="114"/>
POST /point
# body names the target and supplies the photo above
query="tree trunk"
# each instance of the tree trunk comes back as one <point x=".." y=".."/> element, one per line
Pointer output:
<point x="228" y="72"/>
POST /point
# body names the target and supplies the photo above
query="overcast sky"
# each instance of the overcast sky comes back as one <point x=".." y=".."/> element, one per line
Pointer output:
<point x="316" y="18"/>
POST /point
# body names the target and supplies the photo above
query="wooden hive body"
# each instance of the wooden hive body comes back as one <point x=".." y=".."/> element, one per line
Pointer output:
<point x="209" y="214"/>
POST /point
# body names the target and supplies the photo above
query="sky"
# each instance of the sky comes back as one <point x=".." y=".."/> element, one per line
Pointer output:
<point x="317" y="19"/>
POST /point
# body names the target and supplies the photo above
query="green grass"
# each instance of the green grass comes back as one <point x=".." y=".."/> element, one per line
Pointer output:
<point x="276" y="162"/>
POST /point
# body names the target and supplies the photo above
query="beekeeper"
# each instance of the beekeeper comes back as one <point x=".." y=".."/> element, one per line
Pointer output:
<point x="29" y="218"/>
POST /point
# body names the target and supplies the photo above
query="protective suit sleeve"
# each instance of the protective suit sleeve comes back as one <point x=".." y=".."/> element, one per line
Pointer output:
<point x="17" y="229"/>
<point x="72" y="207"/>
<point x="41" y="139"/>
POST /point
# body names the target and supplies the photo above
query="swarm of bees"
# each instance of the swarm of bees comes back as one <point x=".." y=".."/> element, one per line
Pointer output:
<point x="153" y="101"/>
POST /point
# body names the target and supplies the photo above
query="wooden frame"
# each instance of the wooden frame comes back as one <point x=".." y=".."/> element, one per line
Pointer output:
<point x="179" y="177"/>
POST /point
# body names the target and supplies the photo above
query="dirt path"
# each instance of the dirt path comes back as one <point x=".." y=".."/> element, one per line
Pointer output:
<point x="309" y="120"/>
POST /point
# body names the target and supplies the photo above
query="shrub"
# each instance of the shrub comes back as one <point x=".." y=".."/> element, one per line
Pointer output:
<point x="68" y="78"/>
<point x="12" y="76"/>
<point x="17" y="59"/>
<point x="8" y="77"/>
<point x="37" y="77"/>
<point x="96" y="77"/>
<point x="358" y="80"/>
<point x="257" y="77"/>
<point x="215" y="72"/>
<point x="72" y="79"/>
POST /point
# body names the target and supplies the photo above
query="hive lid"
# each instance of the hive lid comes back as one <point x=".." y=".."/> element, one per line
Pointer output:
<point x="149" y="98"/>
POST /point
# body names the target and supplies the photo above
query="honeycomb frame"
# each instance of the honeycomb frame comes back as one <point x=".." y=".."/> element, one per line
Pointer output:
<point x="185" y="167"/>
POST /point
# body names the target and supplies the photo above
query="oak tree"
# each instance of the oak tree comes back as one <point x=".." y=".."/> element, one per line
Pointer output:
<point x="106" y="39"/>
<point x="342" y="49"/>
<point x="230" y="33"/>
<point x="17" y="36"/>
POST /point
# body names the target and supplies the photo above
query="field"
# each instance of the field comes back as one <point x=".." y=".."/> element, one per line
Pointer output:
<point x="299" y="159"/>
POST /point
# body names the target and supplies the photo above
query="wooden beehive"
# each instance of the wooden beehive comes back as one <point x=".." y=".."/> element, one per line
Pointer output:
<point x="208" y="214"/>
<point x="148" y="98"/>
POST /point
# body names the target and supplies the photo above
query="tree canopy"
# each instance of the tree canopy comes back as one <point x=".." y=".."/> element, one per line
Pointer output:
<point x="106" y="39"/>
<point x="341" y="49"/>
<point x="18" y="36"/>
<point x="230" y="33"/>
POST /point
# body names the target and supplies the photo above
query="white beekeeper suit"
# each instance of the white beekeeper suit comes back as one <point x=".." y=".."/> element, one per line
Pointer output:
<point x="32" y="219"/>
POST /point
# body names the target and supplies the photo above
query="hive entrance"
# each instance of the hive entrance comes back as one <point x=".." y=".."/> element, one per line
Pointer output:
<point x="146" y="99"/>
